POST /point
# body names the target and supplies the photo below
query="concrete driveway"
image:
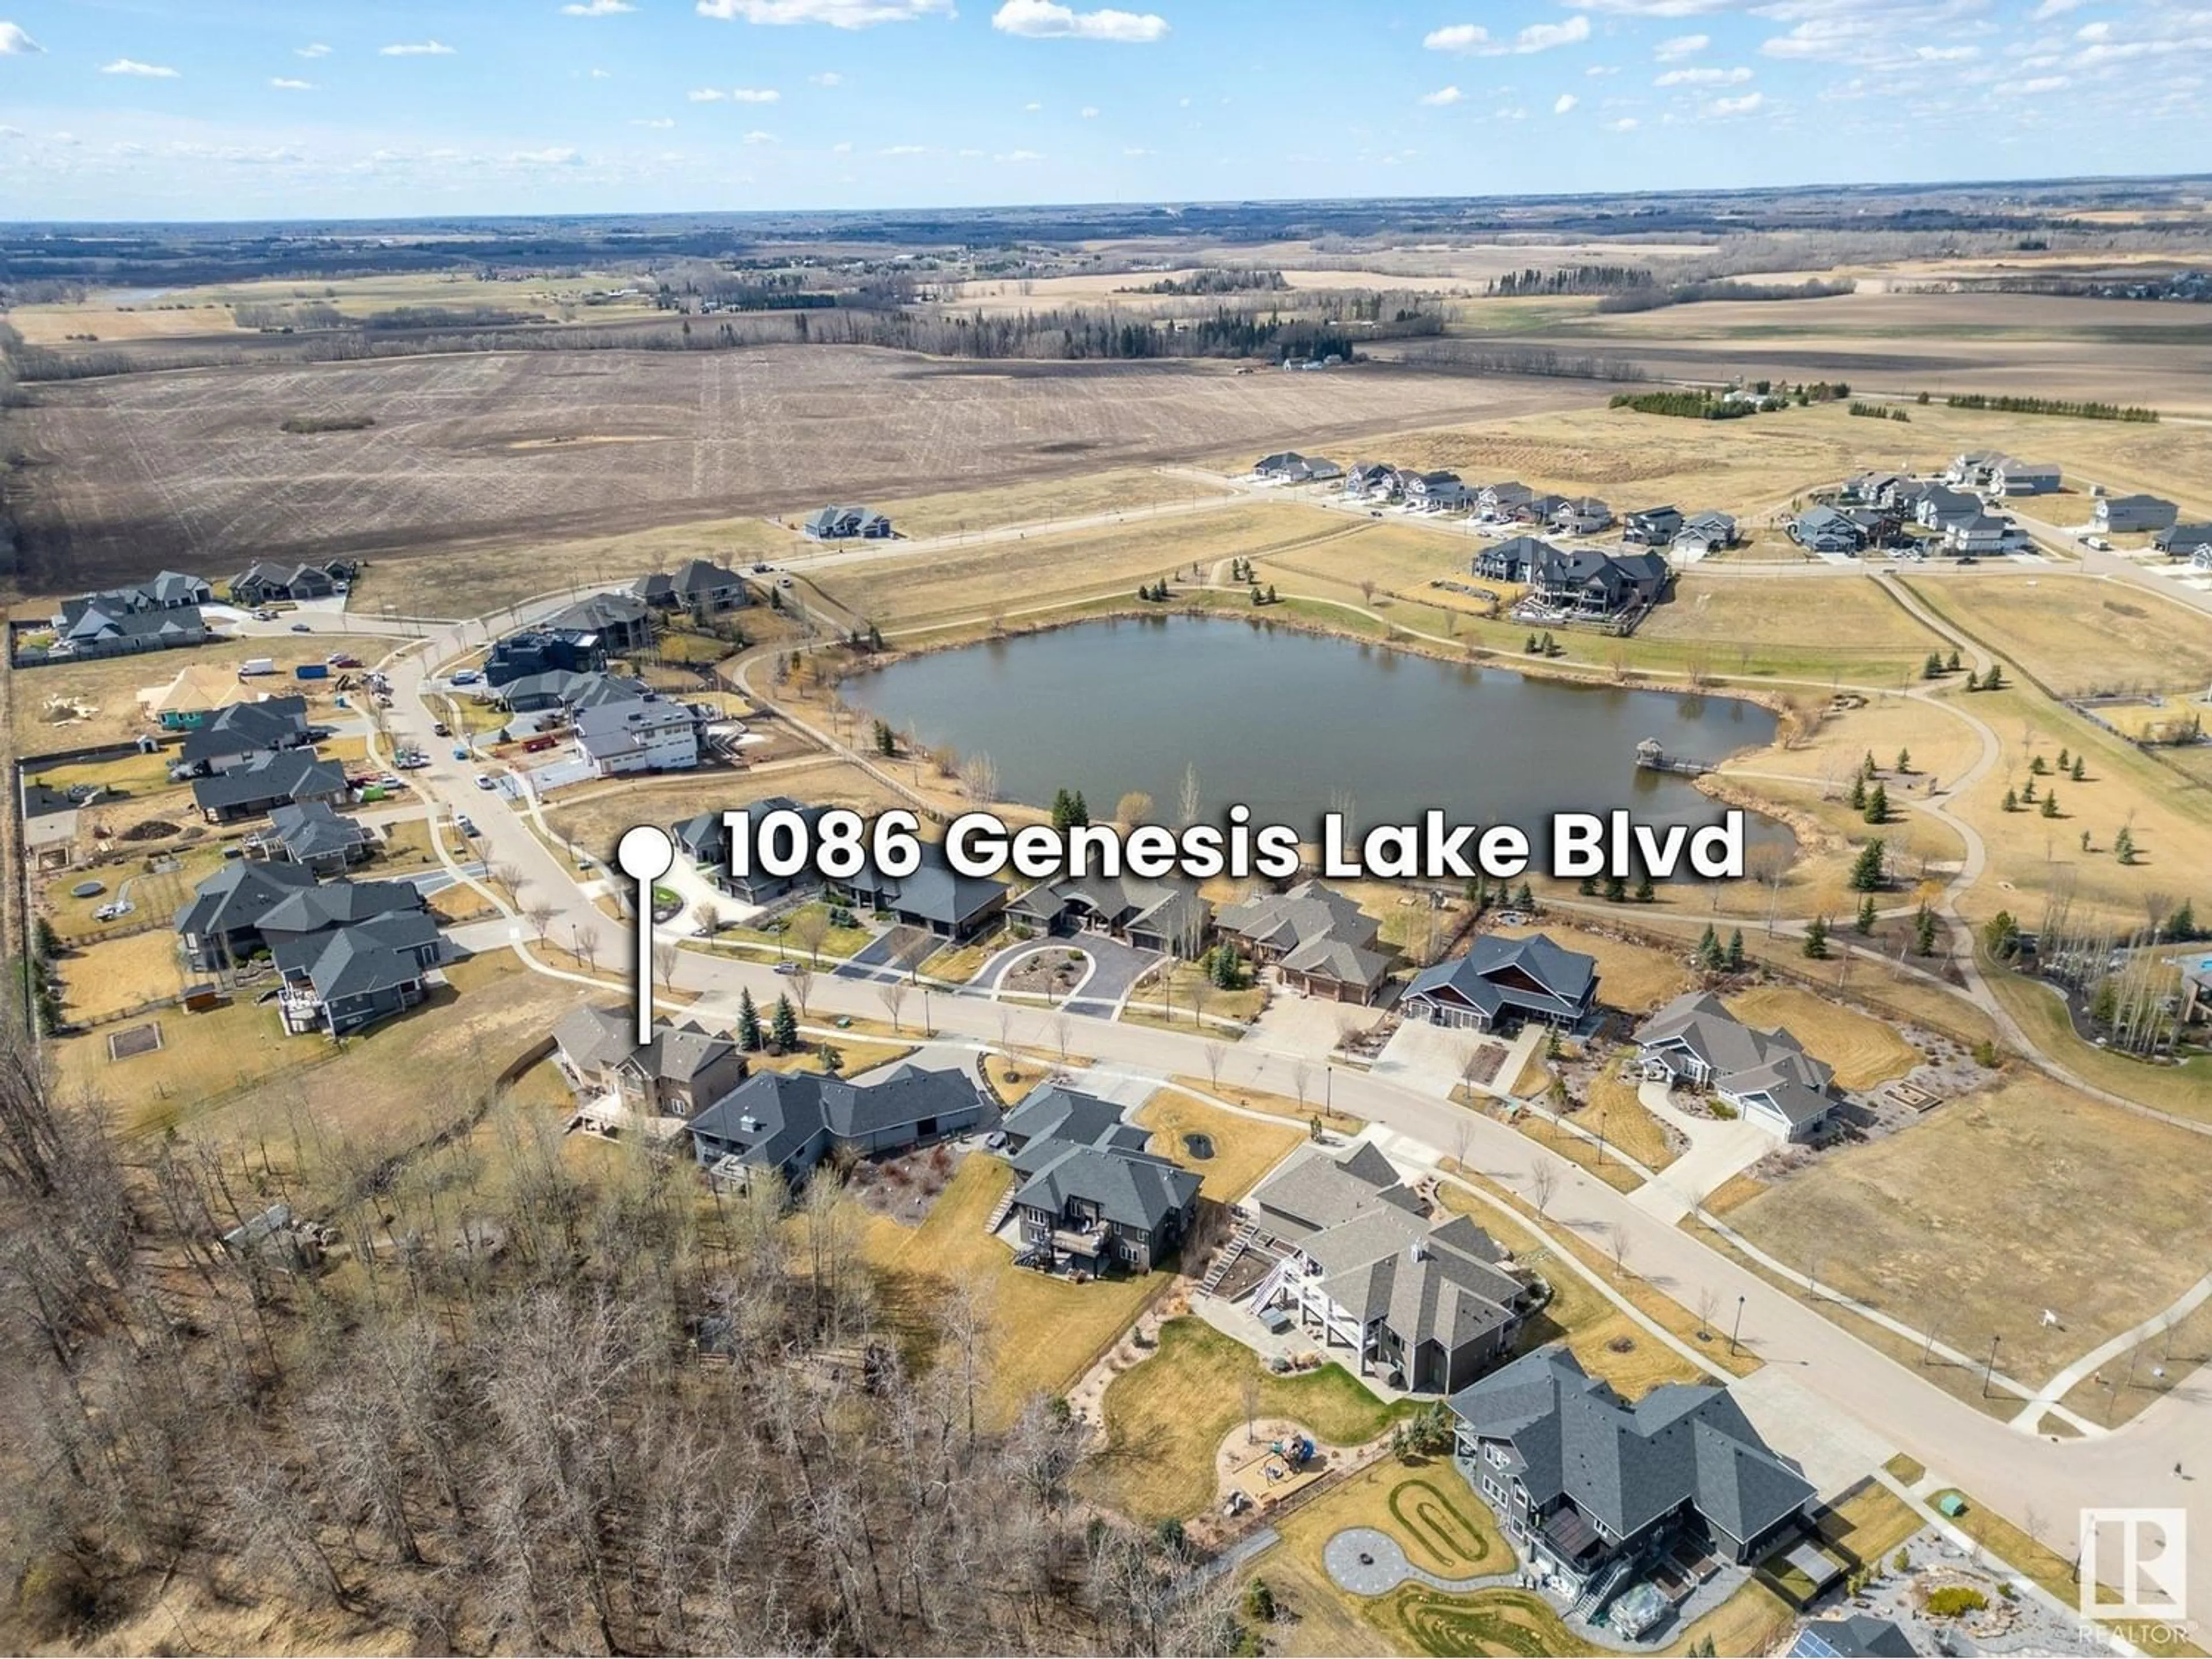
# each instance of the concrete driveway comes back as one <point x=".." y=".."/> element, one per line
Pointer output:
<point x="888" y="954"/>
<point x="1430" y="1059"/>
<point x="1306" y="1026"/>
<point x="1719" y="1148"/>
<point x="1115" y="967"/>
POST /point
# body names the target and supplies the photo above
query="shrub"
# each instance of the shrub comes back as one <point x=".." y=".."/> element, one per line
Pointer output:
<point x="1955" y="1601"/>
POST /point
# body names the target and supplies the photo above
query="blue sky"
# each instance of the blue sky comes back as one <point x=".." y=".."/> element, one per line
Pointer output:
<point x="143" y="109"/>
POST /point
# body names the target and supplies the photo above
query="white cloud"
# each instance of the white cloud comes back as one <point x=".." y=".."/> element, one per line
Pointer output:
<point x="556" y="156"/>
<point x="1475" y="41"/>
<point x="415" y="49"/>
<point x="971" y="155"/>
<point x="756" y="95"/>
<point x="705" y="94"/>
<point x="1750" y="104"/>
<point x="1675" y="49"/>
<point x="757" y="137"/>
<point x="1565" y="103"/>
<point x="657" y="124"/>
<point x="602" y="75"/>
<point x="1031" y="108"/>
<point x="1018" y="155"/>
<point x="316" y="49"/>
<point x="15" y="41"/>
<point x="842" y="147"/>
<point x="1703" y="77"/>
<point x="1596" y="69"/>
<point x="596" y="8"/>
<point x="1046" y="20"/>
<point x="132" y="66"/>
<point x="2043" y="83"/>
<point x="2051" y="9"/>
<point x="826" y="78"/>
<point x="1135" y="151"/>
<point x="1622" y="124"/>
<point x="837" y="13"/>
<point x="905" y="149"/>
<point x="1441" y="96"/>
<point x="1090" y="112"/>
<point x="285" y="83"/>
<point x="1510" y="113"/>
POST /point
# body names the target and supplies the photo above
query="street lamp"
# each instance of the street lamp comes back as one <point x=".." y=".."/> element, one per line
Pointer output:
<point x="1735" y="1330"/>
<point x="1990" y="1369"/>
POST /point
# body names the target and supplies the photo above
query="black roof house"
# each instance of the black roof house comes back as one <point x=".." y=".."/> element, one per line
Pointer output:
<point x="788" y="1122"/>
<point x="1500" y="978"/>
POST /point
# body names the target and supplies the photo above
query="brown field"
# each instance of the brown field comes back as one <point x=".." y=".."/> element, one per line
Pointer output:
<point x="2078" y="634"/>
<point x="1120" y="491"/>
<point x="1632" y="977"/>
<point x="596" y="820"/>
<point x="189" y="469"/>
<point x="1864" y="1051"/>
<point x="1997" y="1206"/>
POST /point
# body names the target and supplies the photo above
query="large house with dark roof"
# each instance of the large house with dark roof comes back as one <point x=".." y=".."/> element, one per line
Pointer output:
<point x="1504" y="982"/>
<point x="2120" y="514"/>
<point x="148" y="616"/>
<point x="1318" y="940"/>
<point x="1512" y="559"/>
<point x="1585" y="582"/>
<point x="705" y="840"/>
<point x="840" y="524"/>
<point x="1360" y="1266"/>
<point x="935" y="896"/>
<point x="786" y="1122"/>
<point x="287" y="777"/>
<point x="220" y="925"/>
<point x="698" y="585"/>
<point x="348" y="953"/>
<point x="1166" y="916"/>
<point x="1589" y="1488"/>
<point x="258" y="584"/>
<point x="234" y="734"/>
<point x="1087" y="1195"/>
<point x="1766" y="1076"/>
<point x="315" y="837"/>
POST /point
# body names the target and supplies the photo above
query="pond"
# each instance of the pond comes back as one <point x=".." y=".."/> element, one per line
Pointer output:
<point x="1294" y="725"/>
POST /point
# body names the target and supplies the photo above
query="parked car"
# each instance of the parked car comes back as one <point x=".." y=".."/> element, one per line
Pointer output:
<point x="763" y="569"/>
<point x="484" y="780"/>
<point x="467" y="677"/>
<point x="787" y="967"/>
<point x="539" y="745"/>
<point x="461" y="823"/>
<point x="439" y="729"/>
<point x="301" y="628"/>
<point x="265" y="616"/>
<point x="2098" y="542"/>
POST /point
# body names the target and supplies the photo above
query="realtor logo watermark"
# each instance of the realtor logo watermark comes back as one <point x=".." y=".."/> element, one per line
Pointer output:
<point x="2139" y="1559"/>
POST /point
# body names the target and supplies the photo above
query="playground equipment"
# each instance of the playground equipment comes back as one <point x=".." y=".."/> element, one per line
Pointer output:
<point x="1296" y="1450"/>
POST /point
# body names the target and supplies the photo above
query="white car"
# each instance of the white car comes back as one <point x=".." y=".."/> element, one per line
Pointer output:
<point x="484" y="780"/>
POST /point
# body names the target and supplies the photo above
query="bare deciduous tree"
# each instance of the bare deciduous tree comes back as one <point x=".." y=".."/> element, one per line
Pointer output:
<point x="892" y="995"/>
<point x="1215" y="1053"/>
<point x="541" y="916"/>
<point x="1133" y="809"/>
<point x="802" y="981"/>
<point x="807" y="929"/>
<point x="1543" y="1181"/>
<point x="665" y="957"/>
<point x="979" y="777"/>
<point x="1063" y="1030"/>
<point x="508" y="876"/>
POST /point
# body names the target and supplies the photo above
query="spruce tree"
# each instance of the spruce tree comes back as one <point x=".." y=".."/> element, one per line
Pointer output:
<point x="1063" y="809"/>
<point x="1078" y="812"/>
<point x="2051" y="804"/>
<point x="1972" y="683"/>
<point x="1923" y="933"/>
<point x="2079" y="767"/>
<point x="1645" y="894"/>
<point x="1858" y="792"/>
<point x="2011" y="801"/>
<point x="2181" y="925"/>
<point x="1953" y="662"/>
<point x="1905" y="762"/>
<point x="783" y="1026"/>
<point x="1736" y="951"/>
<point x="1709" y="948"/>
<point x="1816" y="938"/>
<point x="1867" y="917"/>
<point x="748" y="1022"/>
<point x="1616" y="890"/>
<point x="1525" y="900"/>
<point x="1877" y="805"/>
<point x="1866" y="875"/>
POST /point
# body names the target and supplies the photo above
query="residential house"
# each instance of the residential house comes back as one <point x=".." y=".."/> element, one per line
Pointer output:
<point x="242" y="732"/>
<point x="1320" y="470"/>
<point x="2012" y="477"/>
<point x="705" y="840"/>
<point x="1877" y="489"/>
<point x="1655" y="527"/>
<point x="1318" y="940"/>
<point x="1583" y="515"/>
<point x="2125" y="515"/>
<point x="1087" y="1195"/>
<point x="313" y="836"/>
<point x="935" y="896"/>
<point x="685" y="1069"/>
<point x="1285" y="466"/>
<point x="1373" y="481"/>
<point x="1167" y="916"/>
<point x="258" y="584"/>
<point x="1436" y="492"/>
<point x="103" y="625"/>
<point x="198" y="690"/>
<point x="1825" y="530"/>
<point x="1503" y="982"/>
<point x="1881" y="526"/>
<point x="1590" y="1488"/>
<point x="537" y="654"/>
<point x="1766" y="1076"/>
<point x="220" y="925"/>
<point x="2184" y="541"/>
<point x="1984" y="534"/>
<point x="1361" y="1266"/>
<point x="1513" y="558"/>
<point x="843" y="524"/>
<point x="650" y="734"/>
<point x="1854" y="1636"/>
<point x="286" y="777"/>
<point x="1503" y="500"/>
<point x="1938" y="508"/>
<point x="698" y="585"/>
<point x="1540" y="508"/>
<point x="563" y="689"/>
<point x="49" y="825"/>
<point x="1973" y="468"/>
<point x="1704" y="532"/>
<point x="1584" y="582"/>
<point x="786" y="1123"/>
<point x="351" y="953"/>
<point x="621" y="623"/>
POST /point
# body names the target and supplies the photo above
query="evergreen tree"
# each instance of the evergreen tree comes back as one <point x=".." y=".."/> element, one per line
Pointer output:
<point x="1933" y="668"/>
<point x="2040" y="766"/>
<point x="1905" y="762"/>
<point x="1063" y="809"/>
<point x="1525" y="900"/>
<point x="1645" y="894"/>
<point x="1587" y="887"/>
<point x="2181" y="925"/>
<point x="2051" y="804"/>
<point x="1816" y="938"/>
<point x="783" y="1026"/>
<point x="1866" y="875"/>
<point x="1736" y="951"/>
<point x="1616" y="890"/>
<point x="1994" y="680"/>
<point x="2027" y="792"/>
<point x="1858" y="795"/>
<point x="2123" y="846"/>
<point x="1867" y="917"/>
<point x="1271" y="594"/>
<point x="1867" y="767"/>
<point x="748" y="1022"/>
<point x="2079" y="765"/>
<point x="1923" y="933"/>
<point x="1877" y="806"/>
<point x="2011" y="801"/>
<point x="1079" y="812"/>
<point x="2065" y="763"/>
<point x="1973" y="683"/>
<point x="1953" y="664"/>
<point x="2000" y="934"/>
<point x="1710" y="955"/>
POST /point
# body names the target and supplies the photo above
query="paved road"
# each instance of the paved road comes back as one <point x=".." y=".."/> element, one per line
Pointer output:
<point x="2021" y="1475"/>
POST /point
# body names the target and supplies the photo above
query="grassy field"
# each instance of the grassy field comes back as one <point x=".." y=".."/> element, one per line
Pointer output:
<point x="2185" y="1090"/>
<point x="2078" y="634"/>
<point x="1632" y="977"/>
<point x="1244" y="1149"/>
<point x="1045" y="1331"/>
<point x="1864" y="1051"/>
<point x="1166" y="1415"/>
<point x="106" y="978"/>
<point x="1629" y="1124"/>
<point x="1999" y="1205"/>
<point x="1118" y="490"/>
<point x="596" y="818"/>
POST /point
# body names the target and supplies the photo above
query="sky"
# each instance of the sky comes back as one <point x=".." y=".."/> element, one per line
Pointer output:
<point x="245" y="109"/>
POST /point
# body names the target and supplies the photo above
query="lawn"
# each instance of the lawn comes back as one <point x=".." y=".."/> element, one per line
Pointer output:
<point x="2185" y="1090"/>
<point x="1629" y="1123"/>
<point x="2079" y="633"/>
<point x="116" y="974"/>
<point x="1997" y="1206"/>
<point x="836" y="943"/>
<point x="1166" y="1415"/>
<point x="1634" y="978"/>
<point x="1046" y="1331"/>
<point x="202" y="1055"/>
<point x="1863" y="1050"/>
<point x="1244" y="1148"/>
<point x="1188" y="993"/>
<point x="595" y="819"/>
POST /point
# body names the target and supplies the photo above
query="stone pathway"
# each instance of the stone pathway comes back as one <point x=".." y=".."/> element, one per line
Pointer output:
<point x="1367" y="1561"/>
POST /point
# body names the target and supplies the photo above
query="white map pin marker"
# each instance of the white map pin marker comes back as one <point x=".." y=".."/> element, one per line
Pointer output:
<point x="646" y="853"/>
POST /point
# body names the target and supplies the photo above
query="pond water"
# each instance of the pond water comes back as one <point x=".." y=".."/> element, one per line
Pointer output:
<point x="1294" y="725"/>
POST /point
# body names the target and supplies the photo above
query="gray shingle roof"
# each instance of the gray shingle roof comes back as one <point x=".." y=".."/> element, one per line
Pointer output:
<point x="286" y="775"/>
<point x="239" y="895"/>
<point x="789" y="1110"/>
<point x="1533" y="975"/>
<point x="1131" y="1189"/>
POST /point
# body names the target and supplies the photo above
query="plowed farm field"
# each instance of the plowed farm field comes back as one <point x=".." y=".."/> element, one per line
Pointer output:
<point x="191" y="470"/>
